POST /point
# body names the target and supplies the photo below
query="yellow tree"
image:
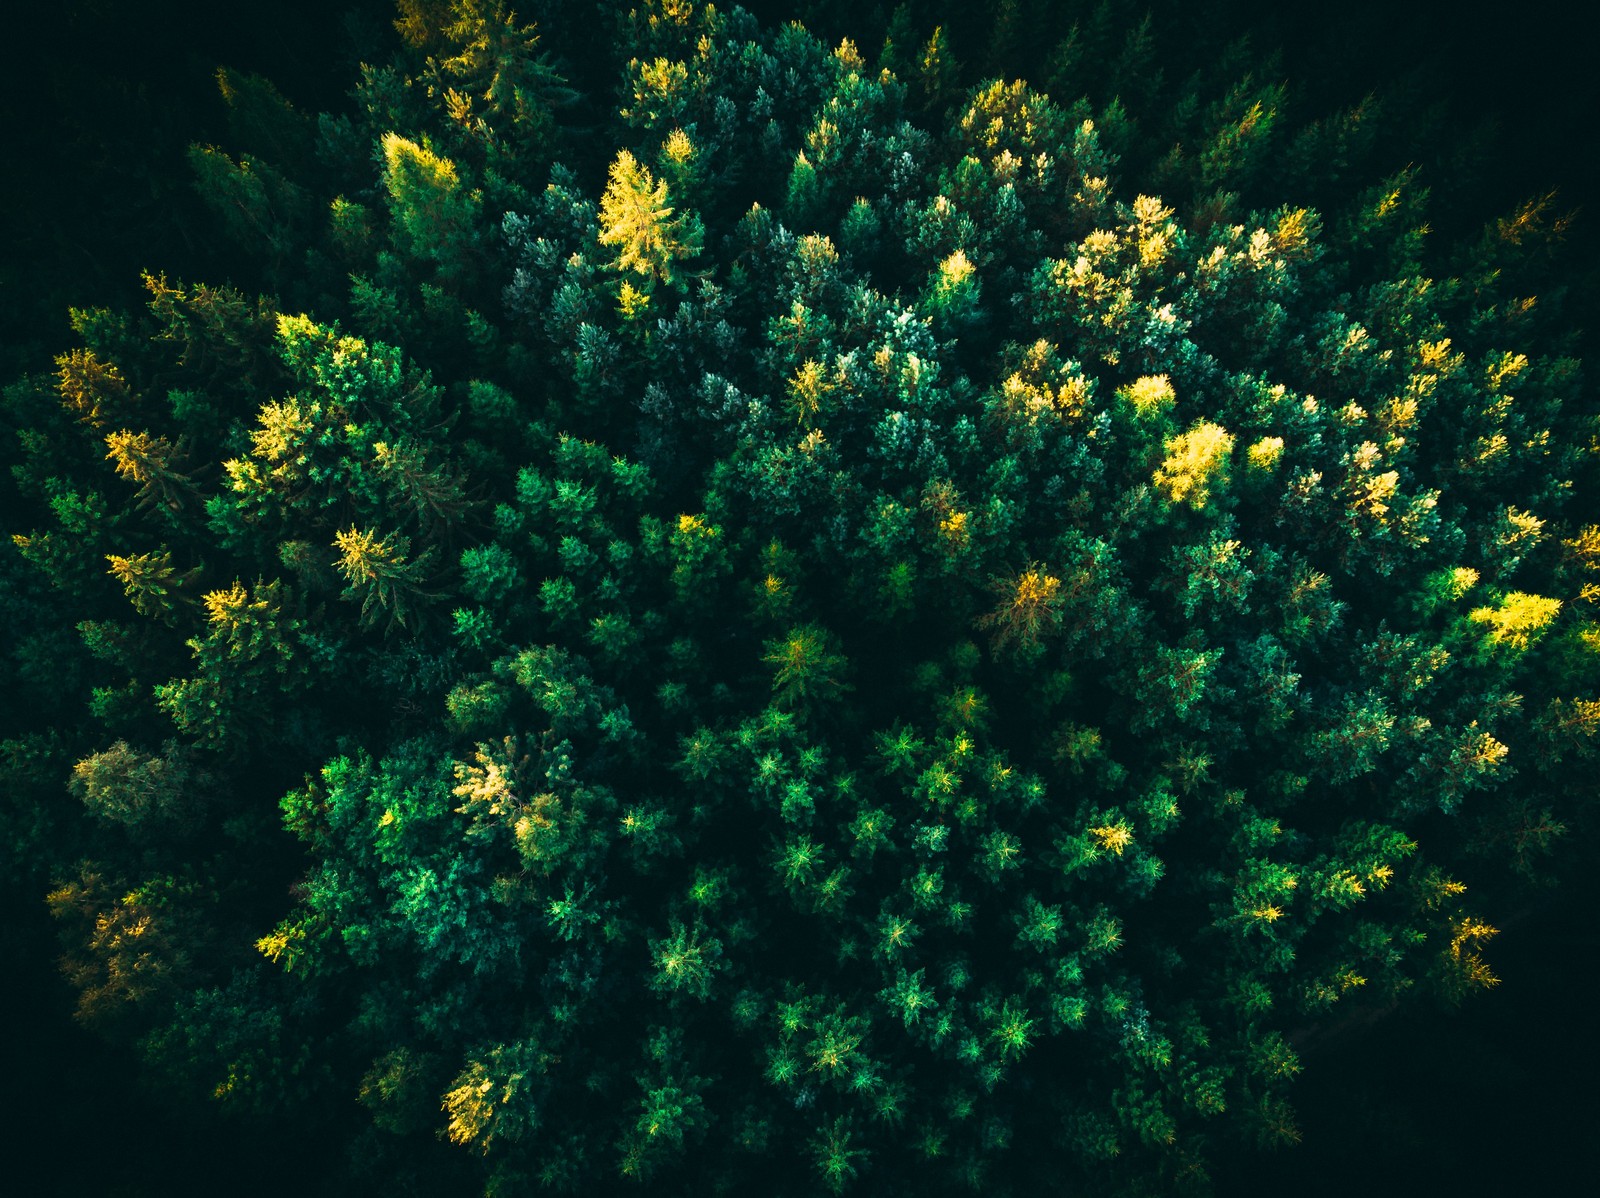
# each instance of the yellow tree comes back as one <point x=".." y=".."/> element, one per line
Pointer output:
<point x="637" y="220"/>
<point x="1029" y="608"/>
<point x="1195" y="460"/>
<point x="1518" y="621"/>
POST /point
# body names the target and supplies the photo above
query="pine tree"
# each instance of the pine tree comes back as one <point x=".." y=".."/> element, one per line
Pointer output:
<point x="1029" y="609"/>
<point x="152" y="582"/>
<point x="808" y="669"/>
<point x="637" y="220"/>
<point x="434" y="213"/>
<point x="437" y="500"/>
<point x="150" y="461"/>
<point x="1195" y="460"/>
<point x="92" y="389"/>
<point x="377" y="573"/>
<point x="138" y="790"/>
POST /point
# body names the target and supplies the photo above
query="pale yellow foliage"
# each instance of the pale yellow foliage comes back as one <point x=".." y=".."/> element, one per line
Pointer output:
<point x="943" y="502"/>
<point x="487" y="785"/>
<point x="637" y="220"/>
<point x="1398" y="414"/>
<point x="1505" y="370"/>
<point x="399" y="153"/>
<point x="1195" y="460"/>
<point x="137" y="456"/>
<point x="1295" y="232"/>
<point x="1029" y="607"/>
<point x="1524" y="530"/>
<point x="283" y="427"/>
<point x="691" y="526"/>
<point x="363" y="554"/>
<point x="1113" y="838"/>
<point x="1264" y="454"/>
<point x="656" y="85"/>
<point x="807" y="388"/>
<point x="1585" y="547"/>
<point x="1467" y="936"/>
<point x="471" y="1106"/>
<point x="1150" y="395"/>
<point x="678" y="147"/>
<point x="632" y="303"/>
<point x="1436" y="356"/>
<point x="1370" y="491"/>
<point x="1043" y="387"/>
<point x="1518" y="618"/>
<point x="955" y="272"/>
<point x="88" y="386"/>
<point x="1153" y="229"/>
<point x="232" y="607"/>
<point x="816" y="253"/>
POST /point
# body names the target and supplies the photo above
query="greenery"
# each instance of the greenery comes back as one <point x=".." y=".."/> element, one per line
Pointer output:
<point x="703" y="607"/>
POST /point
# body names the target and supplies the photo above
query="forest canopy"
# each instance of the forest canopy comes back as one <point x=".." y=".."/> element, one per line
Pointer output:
<point x="707" y="608"/>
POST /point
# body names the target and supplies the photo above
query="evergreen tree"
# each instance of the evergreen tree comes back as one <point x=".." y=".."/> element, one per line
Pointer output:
<point x="637" y="220"/>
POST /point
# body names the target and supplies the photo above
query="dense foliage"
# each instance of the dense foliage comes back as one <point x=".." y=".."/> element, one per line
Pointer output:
<point x="815" y="626"/>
